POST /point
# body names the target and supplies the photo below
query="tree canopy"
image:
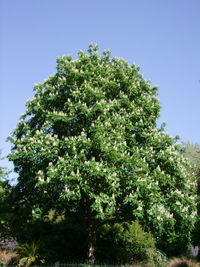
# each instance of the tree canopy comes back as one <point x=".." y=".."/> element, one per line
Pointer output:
<point x="88" y="144"/>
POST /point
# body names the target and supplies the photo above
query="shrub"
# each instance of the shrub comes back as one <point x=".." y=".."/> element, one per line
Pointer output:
<point x="123" y="243"/>
<point x="156" y="258"/>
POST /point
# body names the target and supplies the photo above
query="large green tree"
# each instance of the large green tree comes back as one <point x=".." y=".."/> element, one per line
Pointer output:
<point x="88" y="144"/>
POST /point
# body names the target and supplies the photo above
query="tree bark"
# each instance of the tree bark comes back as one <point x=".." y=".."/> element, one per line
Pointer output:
<point x="91" y="243"/>
<point x="90" y="227"/>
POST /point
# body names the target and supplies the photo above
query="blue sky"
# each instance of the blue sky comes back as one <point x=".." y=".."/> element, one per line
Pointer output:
<point x="162" y="37"/>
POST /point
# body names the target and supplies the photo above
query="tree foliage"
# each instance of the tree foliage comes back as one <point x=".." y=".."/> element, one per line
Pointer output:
<point x="4" y="210"/>
<point x="88" y="144"/>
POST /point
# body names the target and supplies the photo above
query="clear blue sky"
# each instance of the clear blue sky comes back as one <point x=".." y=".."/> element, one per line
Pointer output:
<point x="162" y="37"/>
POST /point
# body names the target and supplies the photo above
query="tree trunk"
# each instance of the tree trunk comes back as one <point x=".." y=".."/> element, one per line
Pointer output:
<point x="91" y="243"/>
<point x="90" y="227"/>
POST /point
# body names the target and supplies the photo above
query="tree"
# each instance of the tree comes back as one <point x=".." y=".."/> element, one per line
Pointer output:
<point x="88" y="144"/>
<point x="192" y="153"/>
<point x="4" y="192"/>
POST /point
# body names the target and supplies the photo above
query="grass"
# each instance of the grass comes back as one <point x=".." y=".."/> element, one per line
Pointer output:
<point x="7" y="257"/>
<point x="182" y="262"/>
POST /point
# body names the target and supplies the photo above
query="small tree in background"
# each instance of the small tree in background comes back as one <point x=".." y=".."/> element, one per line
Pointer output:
<point x="192" y="153"/>
<point x="88" y="145"/>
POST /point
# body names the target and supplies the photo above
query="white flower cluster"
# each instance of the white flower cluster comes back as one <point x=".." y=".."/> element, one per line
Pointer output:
<point x="164" y="212"/>
<point x="40" y="178"/>
<point x="160" y="213"/>
<point x="39" y="142"/>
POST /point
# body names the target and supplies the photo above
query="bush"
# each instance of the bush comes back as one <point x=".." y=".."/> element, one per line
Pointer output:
<point x="156" y="258"/>
<point x="123" y="243"/>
